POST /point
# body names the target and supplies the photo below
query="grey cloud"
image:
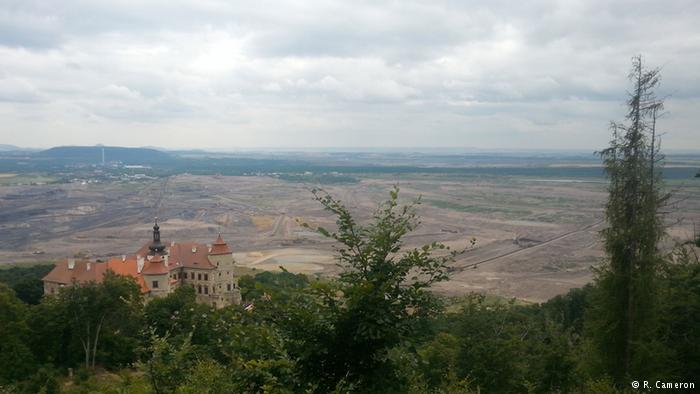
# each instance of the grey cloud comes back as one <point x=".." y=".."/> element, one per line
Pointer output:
<point x="18" y="91"/>
<point x="337" y="72"/>
<point x="20" y="28"/>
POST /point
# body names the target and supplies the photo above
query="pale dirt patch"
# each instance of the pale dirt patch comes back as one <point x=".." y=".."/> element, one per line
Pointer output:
<point x="80" y="210"/>
<point x="297" y="268"/>
<point x="292" y="259"/>
<point x="683" y="233"/>
<point x="224" y="220"/>
<point x="7" y="175"/>
<point x="263" y="222"/>
<point x="179" y="224"/>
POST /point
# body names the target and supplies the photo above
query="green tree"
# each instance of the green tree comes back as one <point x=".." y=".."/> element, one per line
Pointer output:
<point x="680" y="311"/>
<point x="439" y="358"/>
<point x="44" y="380"/>
<point x="16" y="360"/>
<point x="29" y="291"/>
<point x="623" y="317"/>
<point x="493" y="345"/>
<point x="175" y="314"/>
<point x="500" y="346"/>
<point x="380" y="300"/>
<point x="208" y="377"/>
<point x="105" y="313"/>
<point x="273" y="284"/>
<point x="168" y="364"/>
<point x="569" y="309"/>
<point x="254" y="350"/>
<point x="26" y="281"/>
<point x="178" y="316"/>
<point x="52" y="340"/>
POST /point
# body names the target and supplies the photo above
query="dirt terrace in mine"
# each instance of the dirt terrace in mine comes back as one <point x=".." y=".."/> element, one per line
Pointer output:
<point x="535" y="238"/>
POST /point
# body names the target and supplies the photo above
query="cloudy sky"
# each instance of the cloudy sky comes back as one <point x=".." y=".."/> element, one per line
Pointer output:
<point x="233" y="74"/>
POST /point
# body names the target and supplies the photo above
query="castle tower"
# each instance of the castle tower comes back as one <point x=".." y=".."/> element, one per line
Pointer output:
<point x="156" y="275"/>
<point x="156" y="247"/>
<point x="226" y="291"/>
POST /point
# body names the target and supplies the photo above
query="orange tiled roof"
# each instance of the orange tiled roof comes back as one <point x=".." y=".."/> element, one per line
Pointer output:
<point x="219" y="247"/>
<point x="82" y="271"/>
<point x="184" y="254"/>
<point x="127" y="267"/>
<point x="155" y="266"/>
<point x="95" y="273"/>
<point x="189" y="255"/>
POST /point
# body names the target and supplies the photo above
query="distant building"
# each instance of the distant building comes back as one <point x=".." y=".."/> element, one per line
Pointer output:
<point x="160" y="268"/>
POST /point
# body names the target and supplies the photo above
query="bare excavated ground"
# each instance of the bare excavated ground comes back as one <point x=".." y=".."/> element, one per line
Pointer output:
<point x="536" y="238"/>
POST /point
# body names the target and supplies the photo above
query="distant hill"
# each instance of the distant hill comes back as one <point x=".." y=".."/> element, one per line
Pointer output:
<point x="16" y="150"/>
<point x="93" y="154"/>
<point x="5" y="147"/>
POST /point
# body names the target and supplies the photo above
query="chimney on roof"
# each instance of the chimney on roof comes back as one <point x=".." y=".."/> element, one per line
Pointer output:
<point x="87" y="266"/>
<point x="194" y="249"/>
<point x="71" y="264"/>
<point x="123" y="258"/>
<point x="139" y="264"/>
<point x="165" y="260"/>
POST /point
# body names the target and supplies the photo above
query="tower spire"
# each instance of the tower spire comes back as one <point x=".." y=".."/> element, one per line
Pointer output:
<point x="156" y="246"/>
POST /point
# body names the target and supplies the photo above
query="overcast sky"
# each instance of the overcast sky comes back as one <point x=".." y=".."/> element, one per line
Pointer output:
<point x="233" y="74"/>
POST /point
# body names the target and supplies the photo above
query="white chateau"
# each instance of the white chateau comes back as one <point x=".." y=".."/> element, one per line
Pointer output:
<point x="160" y="268"/>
